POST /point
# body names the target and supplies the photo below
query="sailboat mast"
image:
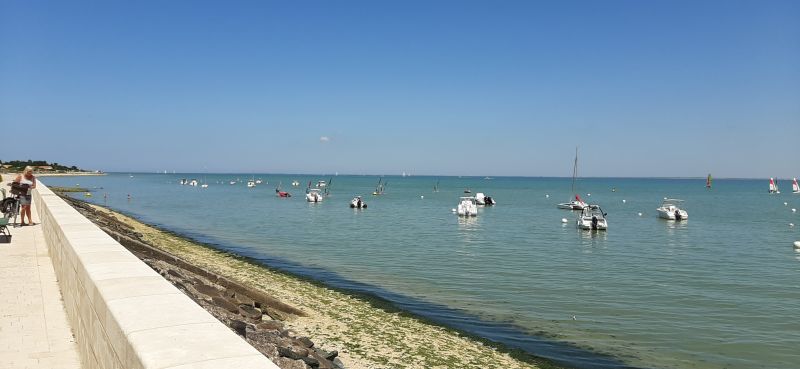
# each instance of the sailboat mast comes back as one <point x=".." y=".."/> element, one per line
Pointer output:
<point x="575" y="170"/>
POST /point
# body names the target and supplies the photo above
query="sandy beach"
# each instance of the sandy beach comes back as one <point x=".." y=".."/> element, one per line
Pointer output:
<point x="365" y="334"/>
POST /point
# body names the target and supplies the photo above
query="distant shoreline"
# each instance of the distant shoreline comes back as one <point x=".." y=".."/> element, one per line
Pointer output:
<point x="69" y="174"/>
<point x="435" y="176"/>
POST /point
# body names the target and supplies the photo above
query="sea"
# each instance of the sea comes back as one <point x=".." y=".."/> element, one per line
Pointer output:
<point x="718" y="290"/>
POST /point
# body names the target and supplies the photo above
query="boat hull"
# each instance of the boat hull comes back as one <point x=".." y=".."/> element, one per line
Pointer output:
<point x="586" y="224"/>
<point x="670" y="214"/>
<point x="572" y="205"/>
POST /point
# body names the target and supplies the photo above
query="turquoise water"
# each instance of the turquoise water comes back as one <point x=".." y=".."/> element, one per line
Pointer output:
<point x="721" y="290"/>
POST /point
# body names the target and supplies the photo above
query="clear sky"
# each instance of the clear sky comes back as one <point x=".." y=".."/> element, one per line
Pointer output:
<point x="645" y="88"/>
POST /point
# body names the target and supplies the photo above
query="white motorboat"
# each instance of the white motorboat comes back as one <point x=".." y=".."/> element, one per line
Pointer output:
<point x="592" y="218"/>
<point x="358" y="203"/>
<point x="295" y="183"/>
<point x="258" y="181"/>
<point x="232" y="182"/>
<point x="251" y="184"/>
<point x="671" y="210"/>
<point x="314" y="195"/>
<point x="482" y="199"/>
<point x="321" y="184"/>
<point x="184" y="181"/>
<point x="576" y="204"/>
<point x="467" y="207"/>
<point x="193" y="182"/>
<point x="795" y="187"/>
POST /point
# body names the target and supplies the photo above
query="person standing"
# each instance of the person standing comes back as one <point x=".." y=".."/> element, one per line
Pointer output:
<point x="26" y="177"/>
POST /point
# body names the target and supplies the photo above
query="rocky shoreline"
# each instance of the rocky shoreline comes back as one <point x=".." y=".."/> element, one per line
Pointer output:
<point x="280" y="314"/>
<point x="253" y="315"/>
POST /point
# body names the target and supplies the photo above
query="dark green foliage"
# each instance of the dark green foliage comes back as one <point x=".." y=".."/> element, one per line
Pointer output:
<point x="18" y="165"/>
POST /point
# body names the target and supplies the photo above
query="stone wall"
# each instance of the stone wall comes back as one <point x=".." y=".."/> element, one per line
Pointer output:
<point x="125" y="315"/>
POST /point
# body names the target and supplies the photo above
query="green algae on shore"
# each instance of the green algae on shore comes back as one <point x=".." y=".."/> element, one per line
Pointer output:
<point x="367" y="331"/>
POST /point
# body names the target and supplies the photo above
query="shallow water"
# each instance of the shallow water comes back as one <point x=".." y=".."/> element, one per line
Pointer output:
<point x="720" y="290"/>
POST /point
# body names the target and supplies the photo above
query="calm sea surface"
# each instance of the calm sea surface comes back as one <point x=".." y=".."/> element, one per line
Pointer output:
<point x="721" y="290"/>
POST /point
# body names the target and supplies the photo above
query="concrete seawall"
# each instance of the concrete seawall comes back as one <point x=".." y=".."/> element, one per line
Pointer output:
<point x="124" y="314"/>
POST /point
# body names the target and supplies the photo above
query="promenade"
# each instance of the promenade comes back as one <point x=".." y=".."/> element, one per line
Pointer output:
<point x="34" y="331"/>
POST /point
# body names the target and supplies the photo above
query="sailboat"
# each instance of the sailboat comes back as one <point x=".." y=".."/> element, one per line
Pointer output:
<point x="436" y="187"/>
<point x="708" y="181"/>
<point x="327" y="191"/>
<point x="773" y="186"/>
<point x="576" y="204"/>
<point x="380" y="187"/>
<point x="795" y="187"/>
<point x="281" y="193"/>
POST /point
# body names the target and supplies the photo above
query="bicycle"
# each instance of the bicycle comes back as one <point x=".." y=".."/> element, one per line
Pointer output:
<point x="10" y="206"/>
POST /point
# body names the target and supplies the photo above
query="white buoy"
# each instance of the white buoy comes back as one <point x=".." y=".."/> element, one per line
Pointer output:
<point x="665" y="198"/>
<point x="453" y="210"/>
<point x="640" y="214"/>
<point x="785" y="203"/>
<point x="791" y="224"/>
<point x="623" y="201"/>
<point x="794" y="210"/>
<point x="588" y="194"/>
<point x="547" y="196"/>
<point x="564" y="220"/>
<point x="421" y="196"/>
<point x="797" y="245"/>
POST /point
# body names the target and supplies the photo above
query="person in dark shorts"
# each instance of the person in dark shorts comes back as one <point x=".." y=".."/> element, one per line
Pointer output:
<point x="26" y="177"/>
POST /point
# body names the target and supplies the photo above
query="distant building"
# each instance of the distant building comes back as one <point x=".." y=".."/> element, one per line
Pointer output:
<point x="45" y="167"/>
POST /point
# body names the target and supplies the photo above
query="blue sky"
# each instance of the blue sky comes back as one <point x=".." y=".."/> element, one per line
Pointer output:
<point x="645" y="88"/>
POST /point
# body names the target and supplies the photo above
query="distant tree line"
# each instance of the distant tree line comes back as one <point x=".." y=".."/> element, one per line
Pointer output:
<point x="38" y="165"/>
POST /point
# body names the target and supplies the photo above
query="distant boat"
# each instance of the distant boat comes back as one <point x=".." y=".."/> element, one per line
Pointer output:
<point x="380" y="187"/>
<point x="576" y="204"/>
<point x="795" y="187"/>
<point x="708" y="181"/>
<point x="436" y="187"/>
<point x="251" y="183"/>
<point x="670" y="209"/>
<point x="482" y="199"/>
<point x="773" y="186"/>
<point x="232" y="182"/>
<point x="358" y="203"/>
<point x="258" y="181"/>
<point x="467" y="190"/>
<point x="295" y="183"/>
<point x="280" y="193"/>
